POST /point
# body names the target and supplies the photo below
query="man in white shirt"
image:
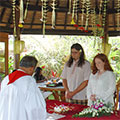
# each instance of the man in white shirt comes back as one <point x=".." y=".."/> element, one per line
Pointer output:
<point x="20" y="98"/>
<point x="75" y="76"/>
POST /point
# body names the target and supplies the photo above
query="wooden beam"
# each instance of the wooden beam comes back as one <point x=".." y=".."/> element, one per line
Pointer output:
<point x="34" y="13"/>
<point x="9" y="20"/>
<point x="2" y="13"/>
<point x="55" y="32"/>
<point x="65" y="21"/>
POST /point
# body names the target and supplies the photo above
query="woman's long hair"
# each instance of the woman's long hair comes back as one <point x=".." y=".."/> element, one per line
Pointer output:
<point x="104" y="58"/>
<point x="37" y="73"/>
<point x="81" y="61"/>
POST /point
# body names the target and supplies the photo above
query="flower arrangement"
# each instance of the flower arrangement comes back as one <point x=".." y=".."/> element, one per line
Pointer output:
<point x="61" y="109"/>
<point x="97" y="109"/>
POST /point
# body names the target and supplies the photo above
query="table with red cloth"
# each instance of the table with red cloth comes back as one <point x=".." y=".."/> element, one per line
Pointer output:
<point x="76" y="109"/>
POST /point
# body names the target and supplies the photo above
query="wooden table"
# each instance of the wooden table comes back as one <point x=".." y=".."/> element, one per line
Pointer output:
<point x="58" y="92"/>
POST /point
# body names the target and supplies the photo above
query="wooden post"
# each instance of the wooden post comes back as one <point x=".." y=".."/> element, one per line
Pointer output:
<point x="17" y="37"/>
<point x="105" y="40"/>
<point x="4" y="39"/>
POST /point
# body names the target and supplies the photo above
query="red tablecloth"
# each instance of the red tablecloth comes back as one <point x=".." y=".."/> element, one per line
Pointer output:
<point x="76" y="109"/>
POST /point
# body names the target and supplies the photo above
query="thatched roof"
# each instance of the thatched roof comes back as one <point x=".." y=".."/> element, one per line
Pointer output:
<point x="63" y="26"/>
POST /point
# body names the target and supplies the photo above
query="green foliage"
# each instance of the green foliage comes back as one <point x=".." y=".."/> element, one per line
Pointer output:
<point x="114" y="56"/>
<point x="52" y="51"/>
<point x="11" y="64"/>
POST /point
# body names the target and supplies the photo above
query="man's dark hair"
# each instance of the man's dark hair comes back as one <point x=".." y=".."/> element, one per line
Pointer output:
<point x="81" y="61"/>
<point x="28" y="61"/>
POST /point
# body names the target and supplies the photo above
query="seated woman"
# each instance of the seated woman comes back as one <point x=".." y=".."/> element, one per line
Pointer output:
<point x="38" y="75"/>
<point x="102" y="82"/>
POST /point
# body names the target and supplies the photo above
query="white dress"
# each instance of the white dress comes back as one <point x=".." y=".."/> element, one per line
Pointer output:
<point x="21" y="100"/>
<point x="103" y="87"/>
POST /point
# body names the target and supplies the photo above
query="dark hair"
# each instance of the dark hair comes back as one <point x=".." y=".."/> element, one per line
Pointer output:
<point x="28" y="61"/>
<point x="37" y="75"/>
<point x="81" y="61"/>
<point x="104" y="58"/>
<point x="38" y="69"/>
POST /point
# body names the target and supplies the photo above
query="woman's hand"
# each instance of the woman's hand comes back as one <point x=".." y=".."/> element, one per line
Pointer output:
<point x="69" y="94"/>
<point x="93" y="97"/>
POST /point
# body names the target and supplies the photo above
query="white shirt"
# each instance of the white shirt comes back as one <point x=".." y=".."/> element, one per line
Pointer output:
<point x="75" y="77"/>
<point x="21" y="100"/>
<point x="103" y="86"/>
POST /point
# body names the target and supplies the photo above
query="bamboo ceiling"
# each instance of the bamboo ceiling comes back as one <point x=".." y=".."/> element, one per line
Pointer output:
<point x="89" y="17"/>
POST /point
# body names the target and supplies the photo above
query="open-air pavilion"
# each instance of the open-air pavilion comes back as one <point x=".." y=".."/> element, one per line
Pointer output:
<point x="60" y="17"/>
<point x="99" y="18"/>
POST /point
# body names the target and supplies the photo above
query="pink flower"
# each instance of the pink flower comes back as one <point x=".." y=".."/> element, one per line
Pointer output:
<point x="101" y="105"/>
<point x="96" y="107"/>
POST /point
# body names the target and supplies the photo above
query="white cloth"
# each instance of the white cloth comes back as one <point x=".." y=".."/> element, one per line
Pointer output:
<point x="21" y="100"/>
<point x="103" y="87"/>
<point x="75" y="76"/>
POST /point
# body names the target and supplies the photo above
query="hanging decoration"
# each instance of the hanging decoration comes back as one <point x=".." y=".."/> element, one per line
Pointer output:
<point x="21" y="20"/>
<point x="22" y="14"/>
<point x="104" y="12"/>
<point x="82" y="9"/>
<point x="26" y="9"/>
<point x="44" y="14"/>
<point x="74" y="11"/>
<point x="14" y="22"/>
<point x="69" y="7"/>
<point x="87" y="13"/>
<point x="53" y="5"/>
<point x="21" y="11"/>
<point x="100" y="12"/>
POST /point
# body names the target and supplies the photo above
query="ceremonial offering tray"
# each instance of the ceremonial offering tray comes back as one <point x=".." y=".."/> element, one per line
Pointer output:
<point x="54" y="82"/>
<point x="51" y="85"/>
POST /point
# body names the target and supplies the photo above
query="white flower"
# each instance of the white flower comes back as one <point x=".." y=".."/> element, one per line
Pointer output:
<point x="93" y="115"/>
<point x="100" y="109"/>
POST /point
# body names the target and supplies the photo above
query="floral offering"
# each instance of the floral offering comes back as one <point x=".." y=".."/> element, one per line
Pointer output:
<point x="97" y="109"/>
<point x="61" y="109"/>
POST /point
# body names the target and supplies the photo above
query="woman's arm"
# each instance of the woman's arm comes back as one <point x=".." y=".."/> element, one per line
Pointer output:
<point x="65" y="85"/>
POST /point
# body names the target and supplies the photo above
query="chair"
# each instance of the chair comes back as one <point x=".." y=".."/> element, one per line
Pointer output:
<point x="117" y="94"/>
